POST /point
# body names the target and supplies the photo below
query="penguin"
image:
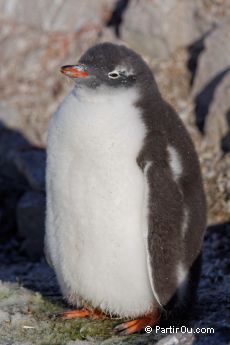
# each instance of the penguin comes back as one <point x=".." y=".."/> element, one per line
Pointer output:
<point x="126" y="209"/>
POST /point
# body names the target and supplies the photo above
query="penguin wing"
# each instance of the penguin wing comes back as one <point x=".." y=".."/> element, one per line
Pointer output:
<point x="174" y="207"/>
<point x="164" y="203"/>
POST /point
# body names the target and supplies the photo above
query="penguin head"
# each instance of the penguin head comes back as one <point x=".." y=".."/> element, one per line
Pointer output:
<point x="110" y="65"/>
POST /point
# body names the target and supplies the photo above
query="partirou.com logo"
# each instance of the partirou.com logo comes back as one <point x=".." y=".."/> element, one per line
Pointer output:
<point x="182" y="329"/>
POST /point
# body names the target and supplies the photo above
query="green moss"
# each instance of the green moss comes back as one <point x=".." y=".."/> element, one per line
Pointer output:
<point x="126" y="340"/>
<point x="44" y="332"/>
<point x="60" y="332"/>
<point x="65" y="330"/>
<point x="98" y="329"/>
<point x="5" y="291"/>
<point x="4" y="294"/>
<point x="41" y="304"/>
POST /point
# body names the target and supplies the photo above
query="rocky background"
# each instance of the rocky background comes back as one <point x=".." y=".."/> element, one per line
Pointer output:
<point x="187" y="44"/>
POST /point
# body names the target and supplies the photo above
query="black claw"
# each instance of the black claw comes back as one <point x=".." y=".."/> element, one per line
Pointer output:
<point x="124" y="332"/>
<point x="119" y="327"/>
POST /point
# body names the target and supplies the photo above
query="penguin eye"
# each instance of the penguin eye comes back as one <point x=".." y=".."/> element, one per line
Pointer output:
<point x="113" y="75"/>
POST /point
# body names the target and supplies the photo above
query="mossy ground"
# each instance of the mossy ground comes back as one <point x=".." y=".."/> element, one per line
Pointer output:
<point x="27" y="316"/>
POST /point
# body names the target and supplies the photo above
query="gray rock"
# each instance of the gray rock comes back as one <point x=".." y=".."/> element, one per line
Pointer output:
<point x="177" y="339"/>
<point x="4" y="316"/>
<point x="129" y="340"/>
<point x="31" y="164"/>
<point x="37" y="87"/>
<point x="58" y="15"/>
<point x="16" y="343"/>
<point x="217" y="126"/>
<point x="213" y="65"/>
<point x="172" y="339"/>
<point x="82" y="342"/>
<point x="210" y="14"/>
<point x="157" y="28"/>
<point x="215" y="57"/>
<point x="9" y="117"/>
<point x="31" y="223"/>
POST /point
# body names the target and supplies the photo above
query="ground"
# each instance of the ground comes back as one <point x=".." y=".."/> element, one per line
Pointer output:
<point x="30" y="298"/>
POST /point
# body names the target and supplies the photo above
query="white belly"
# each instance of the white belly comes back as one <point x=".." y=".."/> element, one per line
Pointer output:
<point x="95" y="213"/>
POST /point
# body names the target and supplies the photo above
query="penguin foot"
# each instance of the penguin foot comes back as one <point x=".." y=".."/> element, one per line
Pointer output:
<point x="137" y="325"/>
<point x="72" y="314"/>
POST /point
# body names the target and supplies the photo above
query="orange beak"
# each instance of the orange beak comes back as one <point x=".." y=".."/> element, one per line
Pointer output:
<point x="74" y="71"/>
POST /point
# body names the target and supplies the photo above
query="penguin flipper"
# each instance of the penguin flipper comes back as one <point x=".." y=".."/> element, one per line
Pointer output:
<point x="164" y="243"/>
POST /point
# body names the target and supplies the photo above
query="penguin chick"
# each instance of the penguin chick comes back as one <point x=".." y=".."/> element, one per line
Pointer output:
<point x="126" y="210"/>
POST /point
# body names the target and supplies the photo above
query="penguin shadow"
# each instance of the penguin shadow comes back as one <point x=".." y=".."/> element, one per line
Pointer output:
<point x="22" y="220"/>
<point x="12" y="183"/>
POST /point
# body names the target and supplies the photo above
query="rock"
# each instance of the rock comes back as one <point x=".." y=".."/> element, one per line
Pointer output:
<point x="19" y="319"/>
<point x="171" y="339"/>
<point x="217" y="126"/>
<point x="36" y="88"/>
<point x="31" y="164"/>
<point x="165" y="26"/>
<point x="212" y="13"/>
<point x="31" y="223"/>
<point x="35" y="92"/>
<point x="82" y="342"/>
<point x="177" y="339"/>
<point x="4" y="316"/>
<point x="9" y="117"/>
<point x="213" y="65"/>
<point x="58" y="15"/>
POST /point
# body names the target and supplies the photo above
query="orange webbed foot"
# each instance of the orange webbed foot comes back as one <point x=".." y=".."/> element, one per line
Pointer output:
<point x="72" y="314"/>
<point x="137" y="325"/>
<point x="81" y="313"/>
